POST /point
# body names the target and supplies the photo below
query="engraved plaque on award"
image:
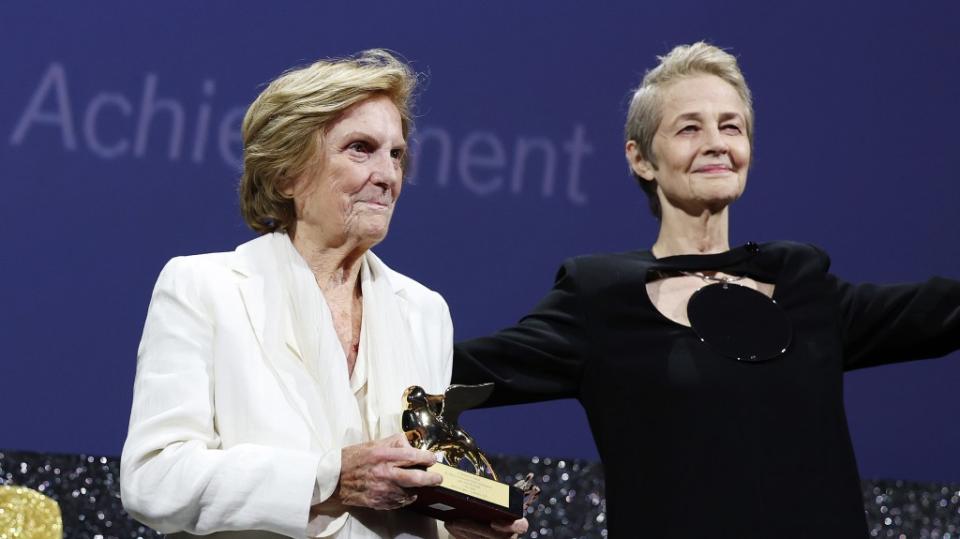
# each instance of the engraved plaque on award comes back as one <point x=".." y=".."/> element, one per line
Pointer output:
<point x="470" y="488"/>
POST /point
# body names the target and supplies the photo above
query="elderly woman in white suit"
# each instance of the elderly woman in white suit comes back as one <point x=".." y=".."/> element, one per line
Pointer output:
<point x="269" y="379"/>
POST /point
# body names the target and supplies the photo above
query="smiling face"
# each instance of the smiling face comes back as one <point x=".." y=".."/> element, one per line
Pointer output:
<point x="701" y="148"/>
<point x="348" y="193"/>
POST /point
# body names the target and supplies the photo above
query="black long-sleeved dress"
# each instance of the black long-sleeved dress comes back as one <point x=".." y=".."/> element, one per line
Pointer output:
<point x="695" y="444"/>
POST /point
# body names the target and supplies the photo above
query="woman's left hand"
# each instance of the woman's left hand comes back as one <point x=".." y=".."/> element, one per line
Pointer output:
<point x="471" y="529"/>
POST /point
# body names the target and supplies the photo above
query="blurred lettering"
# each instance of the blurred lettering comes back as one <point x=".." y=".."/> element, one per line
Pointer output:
<point x="482" y="160"/>
<point x="90" y="117"/>
<point x="151" y="121"/>
<point x="481" y="151"/>
<point x="54" y="80"/>
<point x="112" y="126"/>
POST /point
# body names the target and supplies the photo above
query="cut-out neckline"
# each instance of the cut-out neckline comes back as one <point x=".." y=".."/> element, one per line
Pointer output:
<point x="679" y="309"/>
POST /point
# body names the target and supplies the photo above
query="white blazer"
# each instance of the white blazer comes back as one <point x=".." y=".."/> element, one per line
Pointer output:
<point x="221" y="435"/>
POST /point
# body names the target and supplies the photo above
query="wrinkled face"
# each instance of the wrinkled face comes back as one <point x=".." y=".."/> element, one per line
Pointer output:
<point x="348" y="194"/>
<point x="701" y="148"/>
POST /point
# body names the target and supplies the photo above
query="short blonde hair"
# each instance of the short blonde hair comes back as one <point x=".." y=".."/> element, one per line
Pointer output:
<point x="645" y="114"/>
<point x="284" y="126"/>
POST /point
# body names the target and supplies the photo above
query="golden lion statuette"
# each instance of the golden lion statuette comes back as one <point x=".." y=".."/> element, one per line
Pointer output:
<point x="430" y="422"/>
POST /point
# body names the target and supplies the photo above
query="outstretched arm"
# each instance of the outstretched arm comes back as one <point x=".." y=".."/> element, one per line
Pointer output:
<point x="890" y="323"/>
<point x="539" y="358"/>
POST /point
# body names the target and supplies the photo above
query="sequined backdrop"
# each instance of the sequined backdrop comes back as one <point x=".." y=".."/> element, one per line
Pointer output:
<point x="570" y="506"/>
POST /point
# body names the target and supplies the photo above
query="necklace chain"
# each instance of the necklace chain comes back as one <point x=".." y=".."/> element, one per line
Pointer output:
<point x="713" y="278"/>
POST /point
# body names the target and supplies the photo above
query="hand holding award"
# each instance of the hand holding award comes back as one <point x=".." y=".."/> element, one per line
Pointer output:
<point x="471" y="488"/>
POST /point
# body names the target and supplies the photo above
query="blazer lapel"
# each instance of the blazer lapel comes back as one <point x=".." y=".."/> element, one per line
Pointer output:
<point x="269" y="323"/>
<point x="251" y="293"/>
<point x="260" y="297"/>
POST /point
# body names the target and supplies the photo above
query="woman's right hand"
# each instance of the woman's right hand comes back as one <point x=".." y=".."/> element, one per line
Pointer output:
<point x="378" y="474"/>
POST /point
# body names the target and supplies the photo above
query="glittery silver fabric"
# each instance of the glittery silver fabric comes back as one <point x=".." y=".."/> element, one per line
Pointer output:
<point x="571" y="504"/>
<point x="86" y="487"/>
<point x="910" y="510"/>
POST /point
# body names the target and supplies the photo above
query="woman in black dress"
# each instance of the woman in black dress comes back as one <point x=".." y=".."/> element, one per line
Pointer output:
<point x="712" y="376"/>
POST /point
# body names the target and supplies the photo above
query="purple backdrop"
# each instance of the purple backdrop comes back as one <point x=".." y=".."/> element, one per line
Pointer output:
<point x="118" y="140"/>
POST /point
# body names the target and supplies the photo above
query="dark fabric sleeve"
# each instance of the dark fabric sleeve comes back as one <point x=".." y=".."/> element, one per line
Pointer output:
<point x="889" y="323"/>
<point x="540" y="358"/>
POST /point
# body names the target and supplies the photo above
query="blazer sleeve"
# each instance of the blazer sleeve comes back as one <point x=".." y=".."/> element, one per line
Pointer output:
<point x="174" y="473"/>
<point x="539" y="358"/>
<point x="446" y="343"/>
<point x="890" y="323"/>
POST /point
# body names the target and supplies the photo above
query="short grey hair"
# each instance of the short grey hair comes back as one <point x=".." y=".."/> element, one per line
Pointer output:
<point x="645" y="114"/>
<point x="284" y="126"/>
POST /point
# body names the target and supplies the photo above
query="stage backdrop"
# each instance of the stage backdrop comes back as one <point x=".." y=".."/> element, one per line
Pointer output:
<point x="119" y="128"/>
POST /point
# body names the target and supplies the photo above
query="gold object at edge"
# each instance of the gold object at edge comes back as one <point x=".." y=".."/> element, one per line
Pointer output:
<point x="28" y="514"/>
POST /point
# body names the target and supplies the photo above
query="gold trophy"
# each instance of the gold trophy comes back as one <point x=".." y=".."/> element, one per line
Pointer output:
<point x="470" y="489"/>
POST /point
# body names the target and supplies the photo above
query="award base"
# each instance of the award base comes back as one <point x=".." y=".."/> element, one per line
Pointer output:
<point x="463" y="495"/>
